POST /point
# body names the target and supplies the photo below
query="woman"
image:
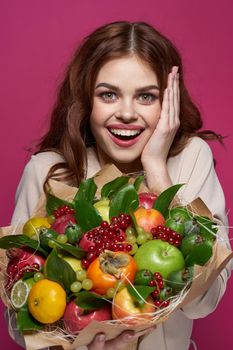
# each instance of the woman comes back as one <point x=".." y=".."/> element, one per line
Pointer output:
<point x="123" y="100"/>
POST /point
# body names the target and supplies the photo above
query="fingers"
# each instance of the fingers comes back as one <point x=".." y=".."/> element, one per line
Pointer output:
<point x="171" y="101"/>
<point x="126" y="337"/>
<point x="98" y="342"/>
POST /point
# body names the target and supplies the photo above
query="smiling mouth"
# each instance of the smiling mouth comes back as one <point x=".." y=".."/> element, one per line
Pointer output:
<point x="123" y="134"/>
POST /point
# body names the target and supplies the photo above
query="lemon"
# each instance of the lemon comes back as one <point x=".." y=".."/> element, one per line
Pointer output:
<point x="47" y="301"/>
<point x="19" y="294"/>
<point x="31" y="226"/>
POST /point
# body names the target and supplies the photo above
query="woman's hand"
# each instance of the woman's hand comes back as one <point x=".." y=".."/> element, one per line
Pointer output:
<point x="125" y="338"/>
<point x="154" y="155"/>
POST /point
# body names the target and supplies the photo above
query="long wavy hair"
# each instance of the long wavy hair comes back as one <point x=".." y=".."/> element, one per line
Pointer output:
<point x="69" y="133"/>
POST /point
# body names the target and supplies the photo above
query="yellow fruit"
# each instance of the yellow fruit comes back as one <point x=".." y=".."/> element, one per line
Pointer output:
<point x="73" y="262"/>
<point x="102" y="207"/>
<point x="47" y="301"/>
<point x="30" y="227"/>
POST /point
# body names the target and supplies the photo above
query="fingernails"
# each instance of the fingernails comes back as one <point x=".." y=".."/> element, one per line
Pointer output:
<point x="101" y="338"/>
<point x="175" y="69"/>
<point x="129" y="336"/>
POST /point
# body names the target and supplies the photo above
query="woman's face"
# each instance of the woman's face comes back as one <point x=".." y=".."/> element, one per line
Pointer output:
<point x="126" y="110"/>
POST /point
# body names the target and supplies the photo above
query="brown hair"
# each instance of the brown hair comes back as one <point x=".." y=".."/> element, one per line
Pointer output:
<point x="70" y="133"/>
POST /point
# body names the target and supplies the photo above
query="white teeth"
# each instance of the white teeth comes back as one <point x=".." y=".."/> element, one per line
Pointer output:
<point x="124" y="132"/>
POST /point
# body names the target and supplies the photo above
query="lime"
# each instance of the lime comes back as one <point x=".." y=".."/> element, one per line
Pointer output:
<point x="19" y="294"/>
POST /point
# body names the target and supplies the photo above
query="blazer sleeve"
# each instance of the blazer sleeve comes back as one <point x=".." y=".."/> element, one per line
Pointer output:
<point x="202" y="181"/>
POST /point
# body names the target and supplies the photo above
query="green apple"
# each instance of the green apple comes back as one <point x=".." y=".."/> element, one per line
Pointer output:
<point x="102" y="206"/>
<point x="159" y="256"/>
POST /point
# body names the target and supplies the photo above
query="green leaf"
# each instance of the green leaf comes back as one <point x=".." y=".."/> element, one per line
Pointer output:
<point x="59" y="270"/>
<point x="165" y="198"/>
<point x="54" y="202"/>
<point x="138" y="182"/>
<point x="86" y="215"/>
<point x="77" y="252"/>
<point x="124" y="200"/>
<point x="200" y="254"/>
<point x="17" y="241"/>
<point x="110" y="188"/>
<point x="140" y="293"/>
<point x="90" y="301"/>
<point x="25" y="321"/>
<point x="86" y="191"/>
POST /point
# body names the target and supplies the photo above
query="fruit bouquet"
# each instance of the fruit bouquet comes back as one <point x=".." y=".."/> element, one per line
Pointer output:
<point x="106" y="257"/>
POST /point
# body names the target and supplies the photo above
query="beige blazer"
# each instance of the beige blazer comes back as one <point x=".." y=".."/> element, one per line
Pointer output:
<point x="194" y="167"/>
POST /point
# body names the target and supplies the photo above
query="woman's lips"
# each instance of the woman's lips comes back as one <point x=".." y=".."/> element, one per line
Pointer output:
<point x="124" y="142"/>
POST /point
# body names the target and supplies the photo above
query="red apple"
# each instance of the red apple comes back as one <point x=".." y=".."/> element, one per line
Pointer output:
<point x="125" y="306"/>
<point x="147" y="199"/>
<point x="75" y="319"/>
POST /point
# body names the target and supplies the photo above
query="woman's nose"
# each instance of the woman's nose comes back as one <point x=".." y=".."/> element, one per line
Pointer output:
<point x="127" y="112"/>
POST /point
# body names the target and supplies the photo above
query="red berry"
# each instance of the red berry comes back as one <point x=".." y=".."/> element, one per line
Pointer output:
<point x="152" y="283"/>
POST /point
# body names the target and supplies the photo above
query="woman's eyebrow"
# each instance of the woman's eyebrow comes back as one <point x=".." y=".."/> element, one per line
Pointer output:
<point x="116" y="88"/>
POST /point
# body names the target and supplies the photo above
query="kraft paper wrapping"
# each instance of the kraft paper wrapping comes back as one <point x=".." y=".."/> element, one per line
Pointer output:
<point x="203" y="275"/>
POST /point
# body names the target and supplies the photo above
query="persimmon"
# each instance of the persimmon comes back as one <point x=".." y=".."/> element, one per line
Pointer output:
<point x="109" y="268"/>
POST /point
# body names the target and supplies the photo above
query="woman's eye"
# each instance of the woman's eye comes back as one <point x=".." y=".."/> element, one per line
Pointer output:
<point x="108" y="96"/>
<point x="147" y="98"/>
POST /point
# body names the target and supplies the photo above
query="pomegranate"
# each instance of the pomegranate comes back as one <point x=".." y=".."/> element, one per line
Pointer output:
<point x="62" y="222"/>
<point x="21" y="260"/>
<point x="147" y="199"/>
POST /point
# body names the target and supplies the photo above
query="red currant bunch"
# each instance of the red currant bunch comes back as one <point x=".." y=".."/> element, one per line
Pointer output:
<point x="60" y="211"/>
<point x="157" y="294"/>
<point x="166" y="234"/>
<point x="107" y="236"/>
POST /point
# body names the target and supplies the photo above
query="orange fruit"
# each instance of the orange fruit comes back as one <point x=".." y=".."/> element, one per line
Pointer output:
<point x="148" y="218"/>
<point x="47" y="301"/>
<point x="30" y="227"/>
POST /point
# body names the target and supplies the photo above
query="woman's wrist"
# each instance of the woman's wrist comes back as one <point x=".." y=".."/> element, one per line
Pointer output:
<point x="158" y="178"/>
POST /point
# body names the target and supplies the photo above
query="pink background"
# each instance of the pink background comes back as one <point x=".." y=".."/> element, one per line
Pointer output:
<point x="37" y="39"/>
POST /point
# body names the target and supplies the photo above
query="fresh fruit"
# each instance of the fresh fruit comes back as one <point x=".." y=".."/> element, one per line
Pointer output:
<point x="62" y="222"/>
<point x="143" y="277"/>
<point x="110" y="267"/>
<point x="191" y="226"/>
<point x="177" y="280"/>
<point x="167" y="234"/>
<point x="31" y="226"/>
<point x="124" y="305"/>
<point x="148" y="218"/>
<point x="76" y="287"/>
<point x="106" y="236"/>
<point x="159" y="256"/>
<point x="19" y="294"/>
<point x="73" y="262"/>
<point x="63" y="210"/>
<point x="45" y="235"/>
<point x="102" y="206"/>
<point x="47" y="301"/>
<point x="73" y="233"/>
<point x="189" y="242"/>
<point x="180" y="214"/>
<point x="75" y="319"/>
<point x="176" y="225"/>
<point x="24" y="260"/>
<point x="147" y="199"/>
